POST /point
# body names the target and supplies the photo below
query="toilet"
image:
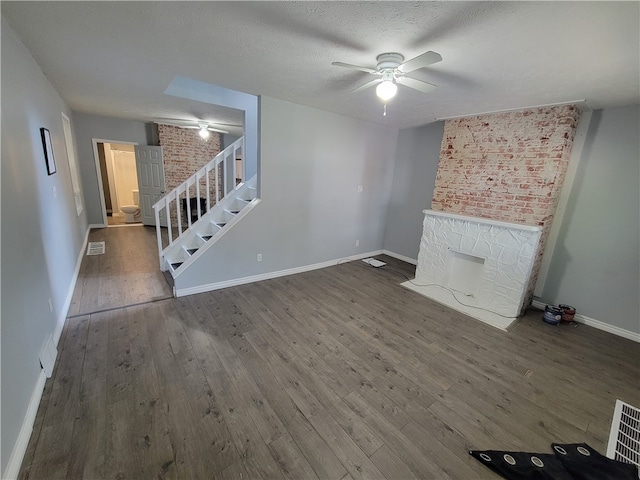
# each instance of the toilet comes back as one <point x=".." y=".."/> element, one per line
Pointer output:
<point x="132" y="212"/>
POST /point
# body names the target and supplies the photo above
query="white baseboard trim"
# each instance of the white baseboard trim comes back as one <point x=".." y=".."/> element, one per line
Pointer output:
<point x="20" y="447"/>
<point x="267" y="276"/>
<point x="64" y="311"/>
<point x="400" y="257"/>
<point x="96" y="225"/>
<point x="600" y="325"/>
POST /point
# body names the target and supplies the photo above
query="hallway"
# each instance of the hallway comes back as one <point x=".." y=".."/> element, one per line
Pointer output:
<point x="126" y="274"/>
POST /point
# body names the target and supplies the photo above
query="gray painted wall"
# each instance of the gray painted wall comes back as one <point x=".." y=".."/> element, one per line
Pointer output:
<point x="597" y="257"/>
<point x="41" y="233"/>
<point x="312" y="162"/>
<point x="88" y="127"/>
<point x="596" y="264"/>
<point x="414" y="178"/>
<point x="205" y="92"/>
<point x="227" y="139"/>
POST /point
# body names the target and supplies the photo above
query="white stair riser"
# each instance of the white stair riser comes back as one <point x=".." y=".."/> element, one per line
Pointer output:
<point x="209" y="225"/>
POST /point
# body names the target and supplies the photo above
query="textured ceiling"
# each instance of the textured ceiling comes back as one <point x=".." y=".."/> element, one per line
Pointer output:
<point x="117" y="58"/>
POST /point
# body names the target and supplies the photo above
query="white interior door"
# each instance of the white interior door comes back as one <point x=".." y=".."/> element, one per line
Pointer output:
<point x="150" y="180"/>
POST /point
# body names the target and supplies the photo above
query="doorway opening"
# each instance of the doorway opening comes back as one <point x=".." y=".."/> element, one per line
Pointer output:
<point x="117" y="181"/>
<point x="121" y="194"/>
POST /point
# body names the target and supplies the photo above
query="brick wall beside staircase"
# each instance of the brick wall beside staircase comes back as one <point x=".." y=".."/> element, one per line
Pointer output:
<point x="507" y="166"/>
<point x="185" y="152"/>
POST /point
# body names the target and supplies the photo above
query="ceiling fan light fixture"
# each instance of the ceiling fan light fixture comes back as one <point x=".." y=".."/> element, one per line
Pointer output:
<point x="204" y="131"/>
<point x="386" y="90"/>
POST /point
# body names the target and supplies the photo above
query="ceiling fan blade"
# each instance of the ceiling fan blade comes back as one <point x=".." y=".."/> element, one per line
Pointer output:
<point x="354" y="67"/>
<point x="190" y="125"/>
<point x="221" y="124"/>
<point x="419" y="85"/>
<point x="176" y="123"/>
<point x="219" y="130"/>
<point x="424" y="60"/>
<point x="165" y="122"/>
<point x="367" y="85"/>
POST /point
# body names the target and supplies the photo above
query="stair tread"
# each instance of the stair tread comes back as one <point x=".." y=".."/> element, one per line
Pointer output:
<point x="203" y="237"/>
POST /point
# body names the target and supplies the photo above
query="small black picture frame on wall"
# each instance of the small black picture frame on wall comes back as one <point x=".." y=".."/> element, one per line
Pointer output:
<point x="48" y="151"/>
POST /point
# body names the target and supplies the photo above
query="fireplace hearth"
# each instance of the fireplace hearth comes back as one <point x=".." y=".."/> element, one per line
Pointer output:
<point x="478" y="266"/>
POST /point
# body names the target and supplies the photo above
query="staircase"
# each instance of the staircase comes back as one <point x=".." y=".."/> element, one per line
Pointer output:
<point x="185" y="229"/>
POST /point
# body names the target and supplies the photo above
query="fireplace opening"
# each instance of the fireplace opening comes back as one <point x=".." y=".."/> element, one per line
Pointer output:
<point x="484" y="265"/>
<point x="465" y="272"/>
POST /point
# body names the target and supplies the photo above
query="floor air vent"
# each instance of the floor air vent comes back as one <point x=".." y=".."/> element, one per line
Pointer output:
<point x="624" y="438"/>
<point x="95" y="248"/>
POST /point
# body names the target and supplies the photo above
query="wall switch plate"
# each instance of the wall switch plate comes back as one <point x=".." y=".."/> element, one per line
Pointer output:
<point x="50" y="305"/>
<point x="259" y="257"/>
<point x="360" y="188"/>
<point x="357" y="243"/>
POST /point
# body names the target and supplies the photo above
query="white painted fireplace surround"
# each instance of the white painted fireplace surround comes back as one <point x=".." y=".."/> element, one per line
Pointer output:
<point x="482" y="263"/>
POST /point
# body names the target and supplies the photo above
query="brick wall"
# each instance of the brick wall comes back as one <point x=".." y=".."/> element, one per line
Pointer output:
<point x="184" y="152"/>
<point x="506" y="166"/>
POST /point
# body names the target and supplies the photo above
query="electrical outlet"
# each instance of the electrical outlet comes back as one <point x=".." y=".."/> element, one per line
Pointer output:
<point x="360" y="188"/>
<point x="259" y="257"/>
<point x="357" y="243"/>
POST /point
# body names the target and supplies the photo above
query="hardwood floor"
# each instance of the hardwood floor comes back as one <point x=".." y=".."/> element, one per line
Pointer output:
<point x="336" y="373"/>
<point x="126" y="274"/>
<point x="117" y="220"/>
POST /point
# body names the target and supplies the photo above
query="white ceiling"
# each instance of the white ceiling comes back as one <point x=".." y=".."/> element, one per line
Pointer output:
<point x="117" y="58"/>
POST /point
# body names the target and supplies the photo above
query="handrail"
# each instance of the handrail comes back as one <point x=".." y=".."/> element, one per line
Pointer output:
<point x="226" y="158"/>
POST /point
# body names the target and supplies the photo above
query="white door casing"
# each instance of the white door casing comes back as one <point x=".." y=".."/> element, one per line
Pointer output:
<point x="73" y="162"/>
<point x="96" y="157"/>
<point x="150" y="180"/>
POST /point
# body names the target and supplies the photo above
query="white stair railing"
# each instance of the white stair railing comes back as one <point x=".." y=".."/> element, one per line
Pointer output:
<point x="210" y="183"/>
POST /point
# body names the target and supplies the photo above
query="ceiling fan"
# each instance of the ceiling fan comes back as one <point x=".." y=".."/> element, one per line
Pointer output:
<point x="203" y="127"/>
<point x="392" y="70"/>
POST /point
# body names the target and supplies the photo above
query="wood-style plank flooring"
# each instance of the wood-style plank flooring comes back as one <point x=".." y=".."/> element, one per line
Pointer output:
<point x="119" y="220"/>
<point x="337" y="373"/>
<point x="126" y="274"/>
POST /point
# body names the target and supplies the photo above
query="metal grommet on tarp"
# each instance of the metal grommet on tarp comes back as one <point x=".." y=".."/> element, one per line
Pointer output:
<point x="568" y="462"/>
<point x="537" y="462"/>
<point x="559" y="449"/>
<point x="583" y="451"/>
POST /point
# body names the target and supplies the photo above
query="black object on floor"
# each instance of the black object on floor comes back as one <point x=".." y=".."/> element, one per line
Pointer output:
<point x="193" y="206"/>
<point x="574" y="461"/>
